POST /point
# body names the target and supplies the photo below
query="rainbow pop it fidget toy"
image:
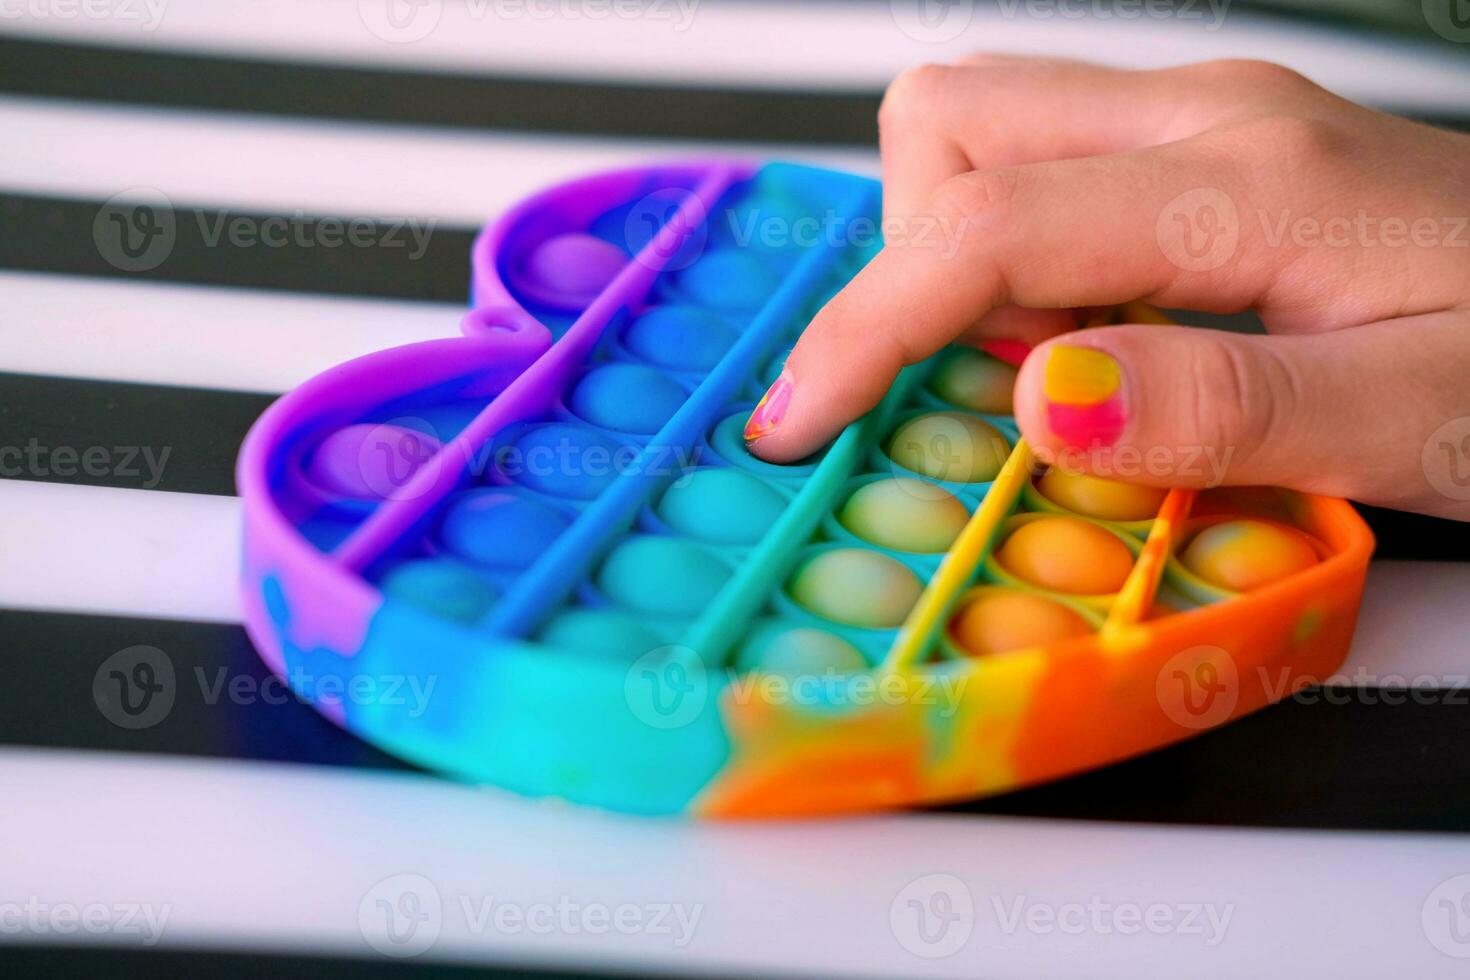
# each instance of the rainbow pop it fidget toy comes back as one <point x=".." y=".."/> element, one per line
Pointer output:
<point x="554" y="521"/>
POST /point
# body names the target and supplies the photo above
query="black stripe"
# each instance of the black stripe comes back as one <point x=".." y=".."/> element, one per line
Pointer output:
<point x="166" y="79"/>
<point x="47" y="697"/>
<point x="242" y="249"/>
<point x="1415" y="536"/>
<point x="133" y="963"/>
<point x="1352" y="762"/>
<point x="163" y="78"/>
<point x="114" y="434"/>
<point x="1359" y="765"/>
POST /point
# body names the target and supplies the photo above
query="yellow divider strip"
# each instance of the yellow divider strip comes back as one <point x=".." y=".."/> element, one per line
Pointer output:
<point x="1136" y="597"/>
<point x="965" y="555"/>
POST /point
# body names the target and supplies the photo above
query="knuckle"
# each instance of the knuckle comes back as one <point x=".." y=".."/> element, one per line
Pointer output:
<point x="911" y="94"/>
<point x="1298" y="139"/>
<point x="1244" y="394"/>
<point x="980" y="195"/>
<point x="1254" y="72"/>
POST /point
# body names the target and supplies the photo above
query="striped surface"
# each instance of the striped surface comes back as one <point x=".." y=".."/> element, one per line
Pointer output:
<point x="1325" y="822"/>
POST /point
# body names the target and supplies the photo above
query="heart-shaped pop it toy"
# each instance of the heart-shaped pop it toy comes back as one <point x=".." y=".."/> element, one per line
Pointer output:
<point x="552" y="524"/>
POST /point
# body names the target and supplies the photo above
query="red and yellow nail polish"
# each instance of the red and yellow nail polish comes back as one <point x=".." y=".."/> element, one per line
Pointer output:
<point x="771" y="410"/>
<point x="1084" y="396"/>
<point x="1013" y="352"/>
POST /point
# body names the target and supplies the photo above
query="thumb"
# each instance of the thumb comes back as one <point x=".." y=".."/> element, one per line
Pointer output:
<point x="1345" y="413"/>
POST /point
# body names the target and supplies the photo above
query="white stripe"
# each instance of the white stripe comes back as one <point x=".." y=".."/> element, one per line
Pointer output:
<point x="344" y="169"/>
<point x="149" y="553"/>
<point x="763" y="43"/>
<point x="141" y="553"/>
<point x="821" y="898"/>
<point x="200" y="336"/>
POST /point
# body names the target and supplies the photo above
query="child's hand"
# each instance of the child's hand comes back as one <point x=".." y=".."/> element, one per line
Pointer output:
<point x="1025" y="190"/>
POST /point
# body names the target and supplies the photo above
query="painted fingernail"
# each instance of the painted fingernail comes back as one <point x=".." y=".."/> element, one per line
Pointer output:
<point x="1010" y="351"/>
<point x="771" y="410"/>
<point x="1084" y="396"/>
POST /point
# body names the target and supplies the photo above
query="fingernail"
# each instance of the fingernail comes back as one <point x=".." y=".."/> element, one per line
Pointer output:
<point x="1010" y="351"/>
<point x="1084" y="396"/>
<point x="771" y="410"/>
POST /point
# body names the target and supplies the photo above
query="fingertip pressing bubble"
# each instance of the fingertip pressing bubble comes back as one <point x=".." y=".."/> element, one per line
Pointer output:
<point x="683" y="338"/>
<point x="905" y="514"/>
<point x="442" y="587"/>
<point x="995" y="620"/>
<point x="1067" y="554"/>
<point x="662" y="575"/>
<point x="1106" y="500"/>
<point x="1245" y="554"/>
<point x="971" y="379"/>
<point x="629" y="398"/>
<point x="857" y="587"/>
<point x="951" y="446"/>
<point x="500" y="529"/>
<point x="721" y="504"/>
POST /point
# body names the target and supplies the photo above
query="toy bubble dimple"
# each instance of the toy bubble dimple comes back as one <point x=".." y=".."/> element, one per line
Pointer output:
<point x="369" y="462"/>
<point x="994" y="620"/>
<point x="575" y="265"/>
<point x="499" y="529"/>
<point x="685" y="338"/>
<point x="442" y="587"/>
<point x="728" y="279"/>
<point x="905" y="514"/>
<point x="971" y="379"/>
<point x="662" y="575"/>
<point x="798" y="651"/>
<point x="1241" y="555"/>
<point x="1106" y="500"/>
<point x="1066" y="554"/>
<point x="721" y="504"/>
<point x="564" y="460"/>
<point x="950" y="446"/>
<point x="627" y="398"/>
<point x="856" y="587"/>
<point x="600" y="632"/>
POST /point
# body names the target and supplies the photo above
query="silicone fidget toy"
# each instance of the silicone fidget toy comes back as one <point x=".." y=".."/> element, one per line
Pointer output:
<point x="539" y="555"/>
